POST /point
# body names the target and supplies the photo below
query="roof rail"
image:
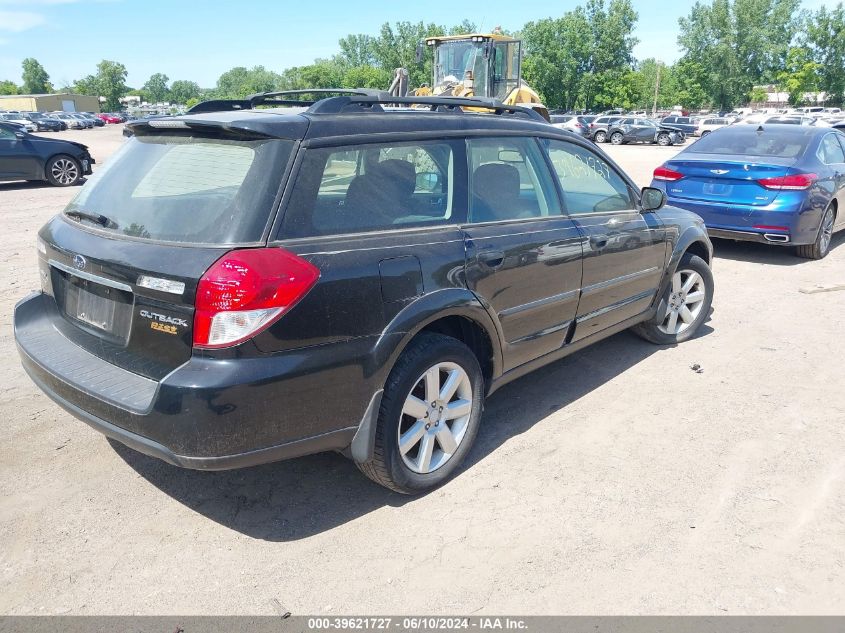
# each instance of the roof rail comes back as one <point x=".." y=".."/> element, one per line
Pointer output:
<point x="271" y="99"/>
<point x="347" y="100"/>
<point x="373" y="103"/>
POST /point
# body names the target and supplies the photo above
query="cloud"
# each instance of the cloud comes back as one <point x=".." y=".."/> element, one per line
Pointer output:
<point x="17" y="21"/>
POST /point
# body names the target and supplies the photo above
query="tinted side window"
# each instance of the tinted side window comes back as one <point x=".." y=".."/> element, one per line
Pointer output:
<point x="7" y="134"/>
<point x="371" y="187"/>
<point x="830" y="151"/>
<point x="508" y="180"/>
<point x="588" y="182"/>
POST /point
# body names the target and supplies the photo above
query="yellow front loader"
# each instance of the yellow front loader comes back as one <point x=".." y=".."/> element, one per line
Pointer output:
<point x="480" y="65"/>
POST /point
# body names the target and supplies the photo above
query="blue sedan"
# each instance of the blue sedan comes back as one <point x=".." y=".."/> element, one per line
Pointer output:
<point x="778" y="184"/>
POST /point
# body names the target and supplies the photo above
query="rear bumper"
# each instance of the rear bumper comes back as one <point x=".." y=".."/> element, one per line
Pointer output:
<point x="777" y="238"/>
<point x="208" y="414"/>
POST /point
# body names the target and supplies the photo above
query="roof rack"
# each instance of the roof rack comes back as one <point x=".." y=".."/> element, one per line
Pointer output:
<point x="373" y="103"/>
<point x="270" y="99"/>
<point x="362" y="100"/>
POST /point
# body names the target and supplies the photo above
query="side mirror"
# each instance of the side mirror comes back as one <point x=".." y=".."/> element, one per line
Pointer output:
<point x="20" y="135"/>
<point x="427" y="182"/>
<point x="652" y="199"/>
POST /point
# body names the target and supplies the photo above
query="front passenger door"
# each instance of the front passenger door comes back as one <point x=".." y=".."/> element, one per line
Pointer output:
<point x="624" y="250"/>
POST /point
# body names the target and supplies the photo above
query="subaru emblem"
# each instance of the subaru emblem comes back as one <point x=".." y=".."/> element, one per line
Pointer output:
<point x="79" y="261"/>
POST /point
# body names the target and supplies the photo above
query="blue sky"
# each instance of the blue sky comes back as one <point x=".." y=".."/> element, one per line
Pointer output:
<point x="201" y="40"/>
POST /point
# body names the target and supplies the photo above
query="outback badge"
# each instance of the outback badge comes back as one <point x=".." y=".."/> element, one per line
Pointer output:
<point x="163" y="323"/>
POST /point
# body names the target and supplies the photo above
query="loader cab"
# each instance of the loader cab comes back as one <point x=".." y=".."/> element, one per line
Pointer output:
<point x="478" y="65"/>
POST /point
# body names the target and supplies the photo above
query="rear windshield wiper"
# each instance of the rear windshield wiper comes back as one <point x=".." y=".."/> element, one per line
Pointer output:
<point x="92" y="217"/>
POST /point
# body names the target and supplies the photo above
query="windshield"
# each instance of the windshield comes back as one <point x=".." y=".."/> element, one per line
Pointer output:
<point x="453" y="60"/>
<point x="186" y="189"/>
<point x="747" y="141"/>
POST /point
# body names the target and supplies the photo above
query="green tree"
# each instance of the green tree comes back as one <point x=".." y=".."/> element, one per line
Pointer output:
<point x="240" y="82"/>
<point x="357" y="50"/>
<point x="738" y="43"/>
<point x="35" y="78"/>
<point x="181" y="91"/>
<point x="800" y="75"/>
<point x="111" y="83"/>
<point x="825" y="35"/>
<point x="8" y="87"/>
<point x="557" y="56"/>
<point x="758" y="94"/>
<point x="156" y="88"/>
<point x="88" y="85"/>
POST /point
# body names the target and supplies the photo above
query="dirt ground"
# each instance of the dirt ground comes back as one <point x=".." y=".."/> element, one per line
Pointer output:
<point x="617" y="481"/>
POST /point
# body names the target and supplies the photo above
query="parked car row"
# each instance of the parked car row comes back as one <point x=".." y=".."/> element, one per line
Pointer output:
<point x="59" y="121"/>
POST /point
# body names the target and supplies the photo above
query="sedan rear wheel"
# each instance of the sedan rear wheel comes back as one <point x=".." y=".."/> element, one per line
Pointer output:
<point x="821" y="247"/>
<point x="63" y="171"/>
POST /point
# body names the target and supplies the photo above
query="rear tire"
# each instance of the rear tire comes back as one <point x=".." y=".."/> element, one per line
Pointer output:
<point x="821" y="247"/>
<point x="616" y="138"/>
<point x="684" y="306"/>
<point x="429" y="415"/>
<point x="600" y="137"/>
<point x="63" y="171"/>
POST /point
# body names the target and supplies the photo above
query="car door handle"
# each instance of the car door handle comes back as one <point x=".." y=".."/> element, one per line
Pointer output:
<point x="492" y="259"/>
<point x="598" y="242"/>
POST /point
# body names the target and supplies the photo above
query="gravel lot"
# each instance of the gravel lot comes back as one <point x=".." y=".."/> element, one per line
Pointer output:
<point x="617" y="481"/>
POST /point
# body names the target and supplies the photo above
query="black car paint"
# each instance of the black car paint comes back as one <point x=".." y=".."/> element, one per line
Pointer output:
<point x="25" y="157"/>
<point x="266" y="399"/>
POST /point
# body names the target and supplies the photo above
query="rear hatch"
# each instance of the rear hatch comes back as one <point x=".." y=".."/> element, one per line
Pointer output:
<point x="123" y="261"/>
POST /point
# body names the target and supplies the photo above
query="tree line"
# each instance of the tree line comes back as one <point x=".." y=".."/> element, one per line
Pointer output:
<point x="582" y="60"/>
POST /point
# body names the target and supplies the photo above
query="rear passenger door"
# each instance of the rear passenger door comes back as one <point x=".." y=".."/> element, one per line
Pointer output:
<point x="624" y="250"/>
<point x="523" y="255"/>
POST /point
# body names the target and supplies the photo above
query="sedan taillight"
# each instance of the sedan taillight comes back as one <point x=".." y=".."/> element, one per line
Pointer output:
<point x="793" y="182"/>
<point x="664" y="173"/>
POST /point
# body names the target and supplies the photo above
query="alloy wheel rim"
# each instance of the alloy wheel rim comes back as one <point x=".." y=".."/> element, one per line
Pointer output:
<point x="685" y="302"/>
<point x="827" y="232"/>
<point x="435" y="417"/>
<point x="64" y="171"/>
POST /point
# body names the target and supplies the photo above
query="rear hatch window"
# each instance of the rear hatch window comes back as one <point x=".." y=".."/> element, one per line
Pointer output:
<point x="186" y="189"/>
<point x="747" y="141"/>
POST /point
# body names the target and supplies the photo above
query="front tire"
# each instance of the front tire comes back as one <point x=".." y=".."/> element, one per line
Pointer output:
<point x="684" y="306"/>
<point x="429" y="415"/>
<point x="821" y="247"/>
<point x="663" y="140"/>
<point x="616" y="138"/>
<point x="63" y="171"/>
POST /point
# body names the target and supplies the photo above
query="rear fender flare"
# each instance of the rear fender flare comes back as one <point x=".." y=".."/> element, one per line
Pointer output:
<point x="401" y="330"/>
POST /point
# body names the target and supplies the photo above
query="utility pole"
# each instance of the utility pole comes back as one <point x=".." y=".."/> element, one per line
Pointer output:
<point x="656" y="90"/>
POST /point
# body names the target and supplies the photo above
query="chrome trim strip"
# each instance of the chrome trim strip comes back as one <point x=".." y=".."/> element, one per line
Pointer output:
<point x="89" y="277"/>
<point x="604" y="285"/>
<point x="539" y="303"/>
<point x="591" y="315"/>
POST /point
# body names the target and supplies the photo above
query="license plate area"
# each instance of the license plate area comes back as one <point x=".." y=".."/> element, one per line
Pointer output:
<point x="101" y="310"/>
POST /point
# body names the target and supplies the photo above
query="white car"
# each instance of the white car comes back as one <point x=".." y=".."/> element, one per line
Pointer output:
<point x="703" y="127"/>
<point x="16" y="118"/>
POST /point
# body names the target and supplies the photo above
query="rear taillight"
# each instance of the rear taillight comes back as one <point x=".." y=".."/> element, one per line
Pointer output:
<point x="245" y="291"/>
<point x="793" y="182"/>
<point x="664" y="173"/>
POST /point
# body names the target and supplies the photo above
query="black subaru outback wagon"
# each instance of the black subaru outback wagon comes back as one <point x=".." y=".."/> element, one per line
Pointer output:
<point x="243" y="286"/>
